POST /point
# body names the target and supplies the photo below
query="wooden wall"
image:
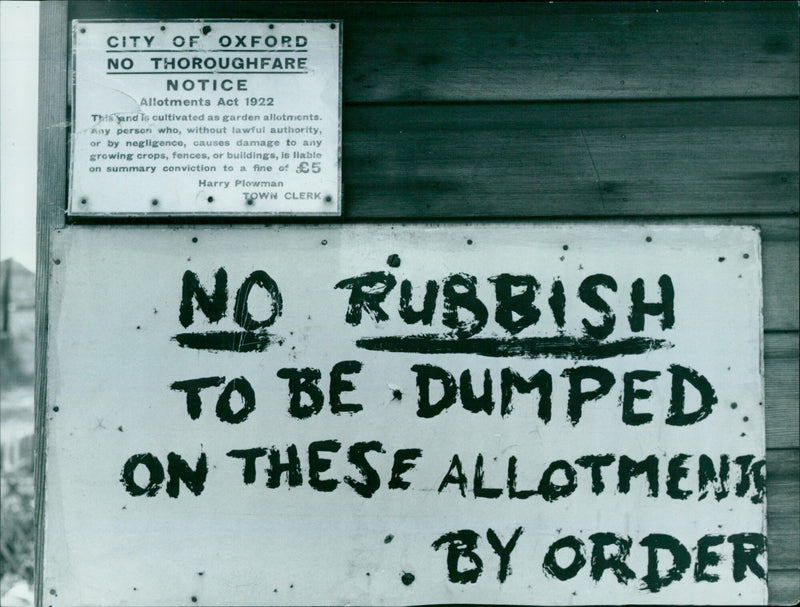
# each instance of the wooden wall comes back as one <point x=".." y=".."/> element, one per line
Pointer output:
<point x="669" y="112"/>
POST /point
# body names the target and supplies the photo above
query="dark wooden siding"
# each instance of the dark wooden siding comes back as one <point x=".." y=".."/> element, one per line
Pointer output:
<point x="672" y="112"/>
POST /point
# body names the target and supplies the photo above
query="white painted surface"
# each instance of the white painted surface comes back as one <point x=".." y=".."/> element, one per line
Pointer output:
<point x="115" y="297"/>
<point x="206" y="118"/>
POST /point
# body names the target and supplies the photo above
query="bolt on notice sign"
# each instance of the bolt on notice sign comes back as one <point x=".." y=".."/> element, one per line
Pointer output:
<point x="218" y="118"/>
<point x="405" y="414"/>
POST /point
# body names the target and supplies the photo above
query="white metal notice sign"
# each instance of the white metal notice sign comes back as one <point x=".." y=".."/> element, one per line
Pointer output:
<point x="217" y="118"/>
<point x="405" y="414"/>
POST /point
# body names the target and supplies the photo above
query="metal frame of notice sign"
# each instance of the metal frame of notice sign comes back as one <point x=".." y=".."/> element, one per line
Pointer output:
<point x="420" y="413"/>
<point x="208" y="118"/>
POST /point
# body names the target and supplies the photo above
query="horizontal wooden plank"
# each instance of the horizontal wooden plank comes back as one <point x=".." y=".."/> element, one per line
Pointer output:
<point x="782" y="228"/>
<point x="783" y="508"/>
<point x="535" y="51"/>
<point x="577" y="160"/>
<point x="784" y="587"/>
<point x="572" y="160"/>
<point x="781" y="370"/>
<point x="775" y="228"/>
<point x="531" y="117"/>
<point x="780" y="264"/>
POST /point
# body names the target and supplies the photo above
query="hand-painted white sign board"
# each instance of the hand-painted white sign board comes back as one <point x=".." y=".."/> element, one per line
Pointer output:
<point x="218" y="118"/>
<point x="378" y="414"/>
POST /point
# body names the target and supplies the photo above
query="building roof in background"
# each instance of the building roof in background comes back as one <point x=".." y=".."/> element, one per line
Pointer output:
<point x="23" y="283"/>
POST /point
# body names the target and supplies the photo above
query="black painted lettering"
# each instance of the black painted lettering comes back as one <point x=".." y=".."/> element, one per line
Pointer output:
<point x="558" y="303"/>
<point x="677" y="415"/>
<point x="339" y="385"/>
<point x="587" y="292"/>
<point x="249" y="456"/>
<point x="224" y="411"/>
<point x="510" y="380"/>
<point x="614" y="561"/>
<point x="403" y="462"/>
<point x="155" y="472"/>
<point x="654" y="580"/>
<point x="630" y="394"/>
<point x="551" y="566"/>
<point x="747" y="547"/>
<point x="706" y="558"/>
<point x="478" y="489"/>
<point x="596" y="463"/>
<point x="241" y="312"/>
<point x="426" y="373"/>
<point x="303" y="381"/>
<point x="460" y="544"/>
<point x="367" y="292"/>
<point x="425" y="315"/>
<point x="455" y="476"/>
<point x="665" y="308"/>
<point x="277" y="468"/>
<point x="474" y="403"/>
<point x="707" y="475"/>
<point x="460" y="292"/>
<point x="192" y="388"/>
<point x="356" y="455"/>
<point x="577" y="396"/>
<point x="519" y="304"/>
<point x="758" y="474"/>
<point x="213" y="307"/>
<point x="503" y="551"/>
<point x="629" y="468"/>
<point x="513" y="492"/>
<point x="317" y="464"/>
<point x="676" y="472"/>
<point x="179" y="470"/>
<point x="551" y="491"/>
